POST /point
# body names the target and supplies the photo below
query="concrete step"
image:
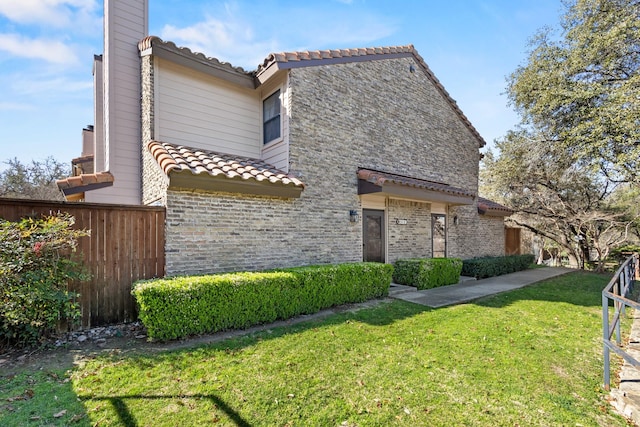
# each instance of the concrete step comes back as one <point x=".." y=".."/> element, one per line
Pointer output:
<point x="397" y="289"/>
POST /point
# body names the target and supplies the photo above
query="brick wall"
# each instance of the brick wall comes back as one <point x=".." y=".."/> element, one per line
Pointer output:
<point x="491" y="236"/>
<point x="376" y="115"/>
<point x="412" y="239"/>
<point x="215" y="232"/>
<point x="381" y="116"/>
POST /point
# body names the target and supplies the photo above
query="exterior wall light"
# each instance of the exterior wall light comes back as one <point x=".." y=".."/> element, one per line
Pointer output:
<point x="353" y="216"/>
<point x="456" y="220"/>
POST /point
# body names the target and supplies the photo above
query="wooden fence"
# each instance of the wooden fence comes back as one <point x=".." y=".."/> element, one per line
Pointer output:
<point x="512" y="241"/>
<point x="126" y="244"/>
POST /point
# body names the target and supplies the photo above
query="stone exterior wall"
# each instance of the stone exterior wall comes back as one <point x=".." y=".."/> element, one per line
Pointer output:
<point x="381" y="116"/>
<point x="154" y="181"/>
<point x="375" y="114"/>
<point x="217" y="232"/>
<point x="412" y="239"/>
<point x="491" y="236"/>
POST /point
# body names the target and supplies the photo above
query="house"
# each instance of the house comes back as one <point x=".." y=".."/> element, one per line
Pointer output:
<point x="315" y="157"/>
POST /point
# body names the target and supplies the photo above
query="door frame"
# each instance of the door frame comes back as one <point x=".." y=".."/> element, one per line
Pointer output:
<point x="383" y="215"/>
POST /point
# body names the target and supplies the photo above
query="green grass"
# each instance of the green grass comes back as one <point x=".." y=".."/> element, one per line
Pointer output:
<point x="528" y="357"/>
<point x="40" y="398"/>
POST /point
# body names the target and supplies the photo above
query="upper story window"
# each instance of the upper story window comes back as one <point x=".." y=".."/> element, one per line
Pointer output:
<point x="271" y="117"/>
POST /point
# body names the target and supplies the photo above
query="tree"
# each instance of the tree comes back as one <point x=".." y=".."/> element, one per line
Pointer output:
<point x="33" y="181"/>
<point x="579" y="209"/>
<point x="582" y="91"/>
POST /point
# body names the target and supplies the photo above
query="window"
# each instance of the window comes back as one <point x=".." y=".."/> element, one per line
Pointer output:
<point x="271" y="117"/>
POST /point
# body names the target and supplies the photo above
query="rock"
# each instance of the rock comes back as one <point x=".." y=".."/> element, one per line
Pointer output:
<point x="82" y="338"/>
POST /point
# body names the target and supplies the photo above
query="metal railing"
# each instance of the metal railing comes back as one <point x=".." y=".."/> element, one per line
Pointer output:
<point x="617" y="291"/>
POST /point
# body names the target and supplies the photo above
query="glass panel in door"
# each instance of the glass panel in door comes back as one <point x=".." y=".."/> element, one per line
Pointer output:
<point x="439" y="235"/>
<point x="373" y="247"/>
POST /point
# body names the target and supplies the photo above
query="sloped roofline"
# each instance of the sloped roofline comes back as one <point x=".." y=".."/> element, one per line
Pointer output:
<point x="491" y="208"/>
<point x="274" y="62"/>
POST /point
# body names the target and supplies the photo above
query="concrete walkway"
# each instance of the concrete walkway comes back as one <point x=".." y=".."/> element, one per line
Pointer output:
<point x="626" y="398"/>
<point x="469" y="289"/>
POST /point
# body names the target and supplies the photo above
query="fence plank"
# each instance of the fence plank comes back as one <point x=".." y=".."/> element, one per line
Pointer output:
<point x="126" y="244"/>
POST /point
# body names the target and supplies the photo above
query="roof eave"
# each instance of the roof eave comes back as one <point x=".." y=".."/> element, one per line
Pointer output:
<point x="494" y="212"/>
<point x="154" y="46"/>
<point x="414" y="193"/>
<point x="179" y="180"/>
<point x="84" y="188"/>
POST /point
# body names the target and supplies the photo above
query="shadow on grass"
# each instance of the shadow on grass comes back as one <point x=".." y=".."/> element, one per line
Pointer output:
<point x="583" y="289"/>
<point x="127" y="419"/>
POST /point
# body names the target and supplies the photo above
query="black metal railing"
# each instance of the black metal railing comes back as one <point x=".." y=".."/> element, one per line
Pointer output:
<point x="616" y="293"/>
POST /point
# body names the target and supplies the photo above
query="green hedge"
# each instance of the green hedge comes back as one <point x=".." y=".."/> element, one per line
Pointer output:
<point x="427" y="273"/>
<point x="181" y="306"/>
<point x="481" y="268"/>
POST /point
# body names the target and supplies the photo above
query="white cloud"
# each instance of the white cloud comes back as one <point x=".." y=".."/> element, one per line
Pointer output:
<point x="238" y="33"/>
<point x="15" y="106"/>
<point x="56" y="13"/>
<point x="51" y="87"/>
<point x="229" y="40"/>
<point x="44" y="49"/>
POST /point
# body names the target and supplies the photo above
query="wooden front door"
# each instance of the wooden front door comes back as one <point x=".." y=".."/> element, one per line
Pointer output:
<point x="373" y="244"/>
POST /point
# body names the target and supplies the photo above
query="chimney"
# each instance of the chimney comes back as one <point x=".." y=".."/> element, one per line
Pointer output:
<point x="125" y="24"/>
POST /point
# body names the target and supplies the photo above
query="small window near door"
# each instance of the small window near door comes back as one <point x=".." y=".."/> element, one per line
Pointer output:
<point x="271" y="117"/>
<point x="438" y="235"/>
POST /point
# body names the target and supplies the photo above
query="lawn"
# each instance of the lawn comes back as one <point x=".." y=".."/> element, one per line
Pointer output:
<point x="524" y="358"/>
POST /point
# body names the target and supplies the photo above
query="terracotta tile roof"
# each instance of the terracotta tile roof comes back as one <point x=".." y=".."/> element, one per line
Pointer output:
<point x="311" y="58"/>
<point x="311" y="55"/>
<point x="84" y="182"/>
<point x="150" y="41"/>
<point x="488" y="207"/>
<point x="380" y="178"/>
<point x="174" y="158"/>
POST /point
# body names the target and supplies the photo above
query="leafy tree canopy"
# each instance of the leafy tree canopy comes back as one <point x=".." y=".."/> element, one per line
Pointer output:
<point x="33" y="181"/>
<point x="582" y="89"/>
<point x="582" y="211"/>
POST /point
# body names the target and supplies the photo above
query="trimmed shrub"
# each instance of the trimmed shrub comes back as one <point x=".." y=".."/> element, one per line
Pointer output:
<point x="35" y="269"/>
<point x="177" y="307"/>
<point x="427" y="273"/>
<point x="481" y="268"/>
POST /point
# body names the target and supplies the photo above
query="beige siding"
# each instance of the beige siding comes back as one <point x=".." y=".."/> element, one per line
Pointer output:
<point x="277" y="153"/>
<point x="125" y="24"/>
<point x="201" y="111"/>
<point x="98" y="116"/>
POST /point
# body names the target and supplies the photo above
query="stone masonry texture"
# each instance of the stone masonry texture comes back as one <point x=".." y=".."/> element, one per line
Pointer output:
<point x="375" y="115"/>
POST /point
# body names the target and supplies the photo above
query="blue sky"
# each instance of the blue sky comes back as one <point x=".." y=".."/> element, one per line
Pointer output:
<point x="47" y="48"/>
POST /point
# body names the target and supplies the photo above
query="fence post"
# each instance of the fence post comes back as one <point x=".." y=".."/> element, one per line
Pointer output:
<point x="605" y="338"/>
<point x="617" y="305"/>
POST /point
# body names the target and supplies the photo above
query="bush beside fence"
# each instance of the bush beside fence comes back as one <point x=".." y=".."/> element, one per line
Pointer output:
<point x="189" y="305"/>
<point x="481" y="268"/>
<point x="427" y="273"/>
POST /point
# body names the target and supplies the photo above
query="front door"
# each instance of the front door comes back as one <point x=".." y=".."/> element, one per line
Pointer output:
<point x="373" y="246"/>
